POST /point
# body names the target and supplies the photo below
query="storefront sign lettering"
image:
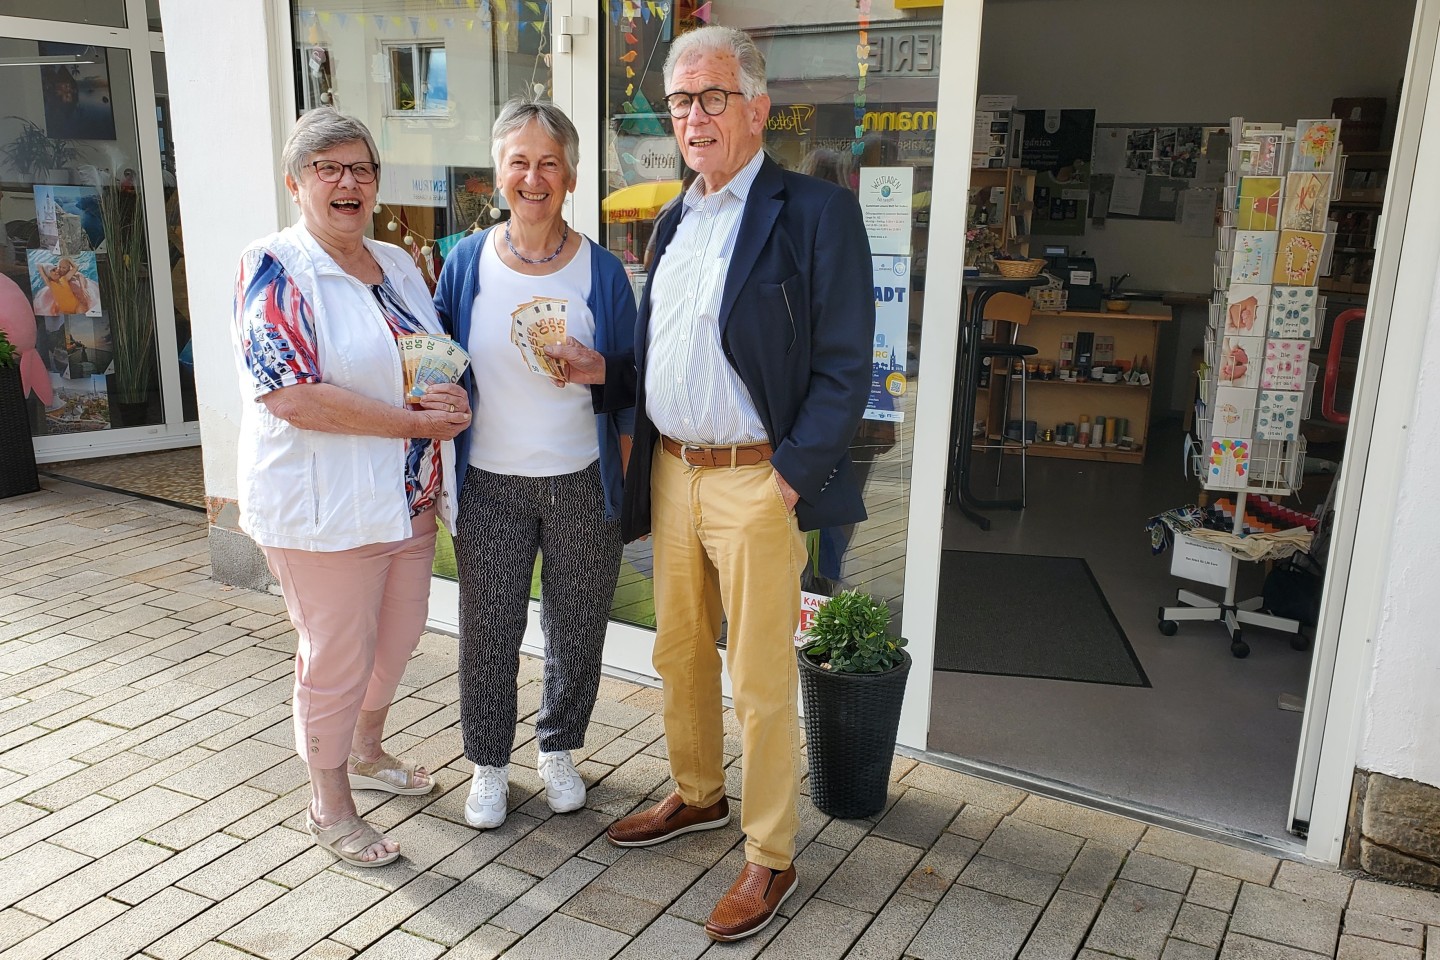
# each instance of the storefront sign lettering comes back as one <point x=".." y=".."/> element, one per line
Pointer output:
<point x="794" y="118"/>
<point x="905" y="53"/>
<point x="899" y="120"/>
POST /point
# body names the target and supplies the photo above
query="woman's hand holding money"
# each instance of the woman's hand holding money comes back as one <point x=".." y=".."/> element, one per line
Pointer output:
<point x="446" y="409"/>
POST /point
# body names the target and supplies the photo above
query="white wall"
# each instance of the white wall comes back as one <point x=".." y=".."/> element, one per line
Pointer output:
<point x="1401" y="732"/>
<point x="225" y="111"/>
<point x="1176" y="61"/>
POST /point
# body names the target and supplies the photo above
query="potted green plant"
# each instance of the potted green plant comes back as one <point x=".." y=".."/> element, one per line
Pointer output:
<point x="17" y="465"/>
<point x="852" y="680"/>
<point x="124" y="290"/>
<point x="37" y="155"/>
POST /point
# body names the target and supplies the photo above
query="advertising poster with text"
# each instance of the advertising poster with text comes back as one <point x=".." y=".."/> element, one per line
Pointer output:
<point x="888" y="383"/>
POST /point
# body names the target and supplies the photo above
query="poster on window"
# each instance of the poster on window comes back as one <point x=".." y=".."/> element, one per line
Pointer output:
<point x="77" y="95"/>
<point x="888" y="383"/>
<point x="1058" y="145"/>
<point x="886" y="195"/>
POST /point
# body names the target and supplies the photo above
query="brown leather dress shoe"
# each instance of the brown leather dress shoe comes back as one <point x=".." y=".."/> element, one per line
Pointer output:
<point x="669" y="818"/>
<point x="750" y="903"/>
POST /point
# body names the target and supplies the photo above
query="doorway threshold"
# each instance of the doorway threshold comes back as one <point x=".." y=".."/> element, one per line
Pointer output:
<point x="1287" y="847"/>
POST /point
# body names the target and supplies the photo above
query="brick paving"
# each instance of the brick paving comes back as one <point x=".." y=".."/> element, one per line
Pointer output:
<point x="150" y="805"/>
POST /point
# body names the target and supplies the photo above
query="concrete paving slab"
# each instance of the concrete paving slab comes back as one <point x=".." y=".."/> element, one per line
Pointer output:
<point x="1282" y="917"/>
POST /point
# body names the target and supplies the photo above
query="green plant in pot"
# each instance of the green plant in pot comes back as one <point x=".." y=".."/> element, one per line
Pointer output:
<point x="125" y="292"/>
<point x="852" y="681"/>
<point x="33" y="153"/>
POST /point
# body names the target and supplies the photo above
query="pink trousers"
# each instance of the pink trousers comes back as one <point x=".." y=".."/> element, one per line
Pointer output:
<point x="359" y="614"/>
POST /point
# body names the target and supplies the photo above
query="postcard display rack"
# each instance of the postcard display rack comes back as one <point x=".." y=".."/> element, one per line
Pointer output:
<point x="1256" y="385"/>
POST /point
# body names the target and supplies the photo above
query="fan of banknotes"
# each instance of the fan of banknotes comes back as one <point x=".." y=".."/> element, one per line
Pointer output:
<point x="427" y="358"/>
<point x="538" y="323"/>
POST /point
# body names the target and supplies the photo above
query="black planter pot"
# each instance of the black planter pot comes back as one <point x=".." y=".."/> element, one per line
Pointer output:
<point x="17" y="449"/>
<point x="851" y="720"/>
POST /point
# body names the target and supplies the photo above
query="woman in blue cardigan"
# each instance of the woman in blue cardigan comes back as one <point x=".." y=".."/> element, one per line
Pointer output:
<point x="541" y="471"/>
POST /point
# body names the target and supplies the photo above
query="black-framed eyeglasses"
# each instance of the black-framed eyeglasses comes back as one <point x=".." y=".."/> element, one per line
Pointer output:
<point x="332" y="171"/>
<point x="713" y="101"/>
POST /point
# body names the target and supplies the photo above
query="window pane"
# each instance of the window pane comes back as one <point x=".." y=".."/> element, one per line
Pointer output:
<point x="830" y="120"/>
<point x="75" y="238"/>
<point x="175" y="241"/>
<point x="391" y="68"/>
<point x="105" y="13"/>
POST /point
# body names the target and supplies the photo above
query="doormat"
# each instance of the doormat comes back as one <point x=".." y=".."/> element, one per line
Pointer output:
<point x="1019" y="615"/>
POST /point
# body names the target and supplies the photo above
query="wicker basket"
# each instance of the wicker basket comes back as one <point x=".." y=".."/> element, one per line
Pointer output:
<point x="851" y="720"/>
<point x="1020" y="269"/>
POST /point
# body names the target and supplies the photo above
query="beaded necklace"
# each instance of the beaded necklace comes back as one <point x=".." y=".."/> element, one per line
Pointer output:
<point x="524" y="259"/>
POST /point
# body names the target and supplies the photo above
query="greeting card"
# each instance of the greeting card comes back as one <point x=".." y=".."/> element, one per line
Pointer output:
<point x="1293" y="313"/>
<point x="1240" y="361"/>
<point x="1229" y="463"/>
<point x="1247" y="306"/>
<point x="1259" y="203"/>
<point x="1234" y="412"/>
<point x="1307" y="200"/>
<point x="1317" y="145"/>
<point x="1297" y="258"/>
<point x="1254" y="256"/>
<point x="1285" y="362"/>
<point x="1279" y="415"/>
<point x="1268" y="157"/>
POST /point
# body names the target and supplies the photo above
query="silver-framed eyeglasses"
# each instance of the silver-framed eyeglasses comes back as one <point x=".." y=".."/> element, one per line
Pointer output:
<point x="331" y="171"/>
<point x="713" y="101"/>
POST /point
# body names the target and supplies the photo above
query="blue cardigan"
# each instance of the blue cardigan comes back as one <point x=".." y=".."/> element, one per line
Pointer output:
<point x="611" y="302"/>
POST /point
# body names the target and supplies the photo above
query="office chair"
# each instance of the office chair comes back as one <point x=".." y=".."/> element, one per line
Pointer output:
<point x="1013" y="310"/>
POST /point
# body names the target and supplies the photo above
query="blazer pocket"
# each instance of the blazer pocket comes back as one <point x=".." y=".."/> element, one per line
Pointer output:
<point x="787" y="294"/>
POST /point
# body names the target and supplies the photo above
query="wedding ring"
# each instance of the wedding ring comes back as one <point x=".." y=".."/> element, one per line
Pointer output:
<point x="452" y="408"/>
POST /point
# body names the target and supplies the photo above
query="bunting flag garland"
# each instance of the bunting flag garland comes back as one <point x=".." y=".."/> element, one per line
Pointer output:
<point x="862" y="54"/>
<point x="702" y="12"/>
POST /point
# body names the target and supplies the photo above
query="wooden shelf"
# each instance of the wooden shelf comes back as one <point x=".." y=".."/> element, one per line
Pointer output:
<point x="1056" y="451"/>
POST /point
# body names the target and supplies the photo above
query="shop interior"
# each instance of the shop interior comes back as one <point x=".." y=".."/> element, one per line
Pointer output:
<point x="1173" y="721"/>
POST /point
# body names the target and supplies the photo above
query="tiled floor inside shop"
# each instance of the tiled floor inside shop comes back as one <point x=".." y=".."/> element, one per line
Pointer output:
<point x="151" y="805"/>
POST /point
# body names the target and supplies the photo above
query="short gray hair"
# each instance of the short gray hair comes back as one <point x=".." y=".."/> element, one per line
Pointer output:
<point x="321" y="129"/>
<point x="716" y="39"/>
<point x="519" y="112"/>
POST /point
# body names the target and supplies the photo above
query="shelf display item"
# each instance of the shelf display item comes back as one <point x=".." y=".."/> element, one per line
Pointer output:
<point x="1259" y="207"/>
<point x="1279" y="415"/>
<point x="1297" y="259"/>
<point x="1240" y="360"/>
<point x="1317" y="145"/>
<point x="1234" y="412"/>
<point x="1254" y="260"/>
<point x="1247" y="309"/>
<point x="1228" y="465"/>
<point x="1307" y="200"/>
<point x="1286" y="362"/>
<point x="1295" y="312"/>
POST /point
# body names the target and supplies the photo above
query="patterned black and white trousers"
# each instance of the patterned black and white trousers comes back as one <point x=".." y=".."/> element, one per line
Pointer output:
<point x="504" y="522"/>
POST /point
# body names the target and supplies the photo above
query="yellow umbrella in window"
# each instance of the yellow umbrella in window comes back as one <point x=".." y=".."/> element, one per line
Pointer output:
<point x="639" y="201"/>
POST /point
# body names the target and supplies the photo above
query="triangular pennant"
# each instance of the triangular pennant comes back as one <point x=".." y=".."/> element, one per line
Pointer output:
<point x="307" y="16"/>
<point x="614" y="7"/>
<point x="344" y="18"/>
<point x="645" y="12"/>
<point x="433" y="24"/>
<point x="702" y="12"/>
<point x="662" y="9"/>
<point x="449" y="23"/>
<point x="313" y="35"/>
<point x="535" y="8"/>
<point x="379" y="23"/>
<point x="324" y="16"/>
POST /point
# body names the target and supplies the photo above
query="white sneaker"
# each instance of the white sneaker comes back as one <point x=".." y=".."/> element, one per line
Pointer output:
<point x="487" y="804"/>
<point x="564" y="790"/>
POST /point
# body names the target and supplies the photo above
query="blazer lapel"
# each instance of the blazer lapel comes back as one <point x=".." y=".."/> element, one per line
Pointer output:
<point x="762" y="208"/>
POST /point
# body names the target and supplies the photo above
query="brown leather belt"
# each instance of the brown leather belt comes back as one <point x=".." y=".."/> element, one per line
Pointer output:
<point x="739" y="455"/>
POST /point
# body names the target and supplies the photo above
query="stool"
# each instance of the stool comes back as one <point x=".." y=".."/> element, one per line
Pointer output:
<point x="1013" y="310"/>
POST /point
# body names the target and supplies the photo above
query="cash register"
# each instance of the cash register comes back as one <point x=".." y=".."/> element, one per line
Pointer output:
<point x="1078" y="275"/>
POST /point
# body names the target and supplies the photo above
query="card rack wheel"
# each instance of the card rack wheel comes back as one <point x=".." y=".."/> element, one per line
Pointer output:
<point x="1168" y="627"/>
<point x="1239" y="649"/>
<point x="1299" y="642"/>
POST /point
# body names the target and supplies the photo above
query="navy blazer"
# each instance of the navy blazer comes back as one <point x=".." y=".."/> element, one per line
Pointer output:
<point x="797" y="322"/>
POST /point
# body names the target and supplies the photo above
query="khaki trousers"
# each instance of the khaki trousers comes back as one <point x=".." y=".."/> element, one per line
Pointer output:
<point x="723" y="539"/>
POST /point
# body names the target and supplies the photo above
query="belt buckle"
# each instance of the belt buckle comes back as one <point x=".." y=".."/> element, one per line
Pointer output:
<point x="685" y="449"/>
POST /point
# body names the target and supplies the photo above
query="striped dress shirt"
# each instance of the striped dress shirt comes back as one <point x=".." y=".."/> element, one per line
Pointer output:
<point x="692" y="394"/>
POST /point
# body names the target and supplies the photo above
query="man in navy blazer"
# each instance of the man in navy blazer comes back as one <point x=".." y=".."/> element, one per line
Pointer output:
<point x="750" y="372"/>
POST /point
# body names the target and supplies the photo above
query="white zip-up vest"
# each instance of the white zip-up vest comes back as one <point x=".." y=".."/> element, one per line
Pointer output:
<point x="308" y="490"/>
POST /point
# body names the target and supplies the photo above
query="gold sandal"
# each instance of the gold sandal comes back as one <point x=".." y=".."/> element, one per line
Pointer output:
<point x="389" y="774"/>
<point x="348" y="839"/>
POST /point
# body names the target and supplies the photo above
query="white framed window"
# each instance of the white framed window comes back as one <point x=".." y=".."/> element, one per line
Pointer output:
<point x="419" y="82"/>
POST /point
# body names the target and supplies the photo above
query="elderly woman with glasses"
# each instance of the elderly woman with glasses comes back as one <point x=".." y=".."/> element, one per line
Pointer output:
<point x="342" y="476"/>
<point x="542" y="471"/>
